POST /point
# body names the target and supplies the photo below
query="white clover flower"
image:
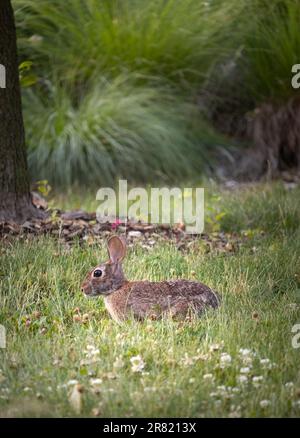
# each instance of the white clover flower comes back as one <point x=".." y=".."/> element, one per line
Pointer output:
<point x="264" y="403"/>
<point x="150" y="389"/>
<point x="266" y="364"/>
<point x="225" y="360"/>
<point x="27" y="389"/>
<point x="247" y="361"/>
<point x="92" y="351"/>
<point x="192" y="380"/>
<point x="222" y="391"/>
<point x="293" y="306"/>
<point x="296" y="404"/>
<point x="245" y="370"/>
<point x="289" y="385"/>
<point x="72" y="382"/>
<point x="137" y="364"/>
<point x="200" y="356"/>
<point x="91" y="355"/>
<point x="221" y="388"/>
<point x="245" y="352"/>
<point x="257" y="378"/>
<point x="7" y="390"/>
<point x="208" y="376"/>
<point x="96" y="384"/>
<point x="257" y="381"/>
<point x="236" y="390"/>
<point x="246" y="356"/>
<point x="242" y="379"/>
<point x="216" y="347"/>
<point x="187" y="360"/>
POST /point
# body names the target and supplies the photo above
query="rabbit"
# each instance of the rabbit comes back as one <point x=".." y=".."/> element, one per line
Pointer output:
<point x="142" y="299"/>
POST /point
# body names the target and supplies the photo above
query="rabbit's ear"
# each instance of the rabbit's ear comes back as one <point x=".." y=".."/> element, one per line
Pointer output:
<point x="116" y="249"/>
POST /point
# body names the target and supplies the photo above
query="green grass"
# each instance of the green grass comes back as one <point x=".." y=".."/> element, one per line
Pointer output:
<point x="255" y="208"/>
<point x="269" y="55"/>
<point x="115" y="130"/>
<point x="174" y="40"/>
<point x="115" y="85"/>
<point x="260" y="288"/>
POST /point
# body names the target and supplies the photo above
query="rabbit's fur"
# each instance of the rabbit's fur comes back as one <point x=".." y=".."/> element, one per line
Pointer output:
<point x="141" y="299"/>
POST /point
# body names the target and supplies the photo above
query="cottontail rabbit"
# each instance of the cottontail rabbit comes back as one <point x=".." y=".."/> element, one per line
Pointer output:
<point x="142" y="299"/>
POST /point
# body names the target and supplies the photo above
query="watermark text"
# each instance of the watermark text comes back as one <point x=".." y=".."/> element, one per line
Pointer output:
<point x="296" y="337"/>
<point x="155" y="205"/>
<point x="2" y="76"/>
<point x="2" y="336"/>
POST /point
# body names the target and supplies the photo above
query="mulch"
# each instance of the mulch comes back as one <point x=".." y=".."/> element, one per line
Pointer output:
<point x="82" y="227"/>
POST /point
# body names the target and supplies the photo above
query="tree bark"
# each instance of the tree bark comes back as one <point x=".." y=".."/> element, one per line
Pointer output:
<point x="15" y="199"/>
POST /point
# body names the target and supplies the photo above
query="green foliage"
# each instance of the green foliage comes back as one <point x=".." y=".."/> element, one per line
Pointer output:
<point x="115" y="130"/>
<point x="169" y="51"/>
<point x="272" y="47"/>
<point x="43" y="187"/>
<point x="27" y="78"/>
<point x="257" y="209"/>
<point x="84" y="121"/>
<point x="178" y="40"/>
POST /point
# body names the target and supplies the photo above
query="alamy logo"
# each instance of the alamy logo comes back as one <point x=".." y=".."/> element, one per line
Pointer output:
<point x="2" y="336"/>
<point x="2" y="76"/>
<point x="156" y="205"/>
<point x="296" y="337"/>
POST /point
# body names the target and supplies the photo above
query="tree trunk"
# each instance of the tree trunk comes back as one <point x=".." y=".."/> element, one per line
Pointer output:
<point x="15" y="199"/>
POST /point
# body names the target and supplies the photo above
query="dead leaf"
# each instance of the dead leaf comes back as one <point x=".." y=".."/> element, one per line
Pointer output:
<point x="78" y="214"/>
<point x="75" y="398"/>
<point x="38" y="201"/>
<point x="96" y="412"/>
<point x="135" y="234"/>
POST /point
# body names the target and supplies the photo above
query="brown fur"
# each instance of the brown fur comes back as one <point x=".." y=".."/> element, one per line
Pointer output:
<point x="141" y="299"/>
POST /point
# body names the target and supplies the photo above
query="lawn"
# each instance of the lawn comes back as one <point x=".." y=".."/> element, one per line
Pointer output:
<point x="66" y="357"/>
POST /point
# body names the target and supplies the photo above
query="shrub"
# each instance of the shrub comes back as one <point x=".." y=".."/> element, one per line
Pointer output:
<point x="272" y="47"/>
<point x="178" y="40"/>
<point x="116" y="130"/>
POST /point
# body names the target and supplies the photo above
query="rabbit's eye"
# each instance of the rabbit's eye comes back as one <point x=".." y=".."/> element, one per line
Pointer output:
<point x="97" y="273"/>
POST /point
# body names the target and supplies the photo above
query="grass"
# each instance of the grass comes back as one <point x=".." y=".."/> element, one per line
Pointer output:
<point x="254" y="207"/>
<point x="156" y="38"/>
<point x="269" y="55"/>
<point x="115" y="130"/>
<point x="260" y="288"/>
<point x="115" y="85"/>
